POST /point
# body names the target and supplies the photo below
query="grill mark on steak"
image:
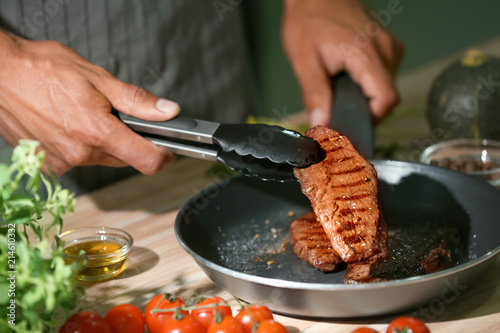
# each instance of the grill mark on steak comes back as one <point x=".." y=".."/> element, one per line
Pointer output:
<point x="325" y="140"/>
<point x="311" y="244"/>
<point x="353" y="184"/>
<point x="343" y="172"/>
<point x="347" y="226"/>
<point x="339" y="159"/>
<point x="356" y="183"/>
<point x="353" y="197"/>
<point x="346" y="211"/>
<point x="352" y="239"/>
<point x="344" y="196"/>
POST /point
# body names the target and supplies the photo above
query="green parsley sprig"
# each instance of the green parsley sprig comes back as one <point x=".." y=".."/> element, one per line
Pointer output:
<point x="37" y="289"/>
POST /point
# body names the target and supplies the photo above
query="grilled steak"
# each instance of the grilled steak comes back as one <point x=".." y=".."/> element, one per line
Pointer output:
<point x="311" y="244"/>
<point x="344" y="196"/>
<point x="361" y="273"/>
<point x="439" y="259"/>
<point x="411" y="254"/>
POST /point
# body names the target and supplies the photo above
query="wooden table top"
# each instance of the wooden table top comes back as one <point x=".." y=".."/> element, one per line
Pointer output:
<point x="146" y="207"/>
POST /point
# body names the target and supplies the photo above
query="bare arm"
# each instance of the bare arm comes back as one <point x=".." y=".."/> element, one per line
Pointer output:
<point x="51" y="94"/>
<point x="324" y="37"/>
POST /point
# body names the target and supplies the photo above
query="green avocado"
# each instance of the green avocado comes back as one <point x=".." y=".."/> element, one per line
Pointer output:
<point x="464" y="100"/>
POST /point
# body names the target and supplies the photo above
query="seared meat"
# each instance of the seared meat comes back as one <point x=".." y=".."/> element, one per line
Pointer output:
<point x="360" y="273"/>
<point x="344" y="196"/>
<point x="411" y="254"/>
<point x="439" y="259"/>
<point x="311" y="244"/>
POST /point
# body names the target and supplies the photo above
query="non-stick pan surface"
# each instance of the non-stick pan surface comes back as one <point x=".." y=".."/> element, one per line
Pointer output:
<point x="237" y="232"/>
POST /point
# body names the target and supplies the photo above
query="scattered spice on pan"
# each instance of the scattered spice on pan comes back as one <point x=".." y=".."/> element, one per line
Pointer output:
<point x="259" y="247"/>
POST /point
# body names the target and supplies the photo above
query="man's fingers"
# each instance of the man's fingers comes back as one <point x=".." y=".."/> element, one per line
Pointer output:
<point x="136" y="101"/>
<point x="133" y="149"/>
<point x="316" y="91"/>
<point x="391" y="51"/>
<point x="59" y="166"/>
<point x="376" y="81"/>
<point x="12" y="129"/>
<point x="128" y="146"/>
<point x="380" y="91"/>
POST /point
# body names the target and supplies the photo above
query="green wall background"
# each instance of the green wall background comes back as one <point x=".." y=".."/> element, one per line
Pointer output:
<point x="430" y="30"/>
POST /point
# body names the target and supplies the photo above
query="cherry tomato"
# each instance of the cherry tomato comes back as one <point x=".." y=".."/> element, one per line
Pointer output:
<point x="254" y="314"/>
<point x="186" y="324"/>
<point x="85" y="322"/>
<point x="155" y="320"/>
<point x="205" y="310"/>
<point x="364" y="330"/>
<point x="228" y="325"/>
<point x="270" y="326"/>
<point x="125" y="318"/>
<point x="410" y="323"/>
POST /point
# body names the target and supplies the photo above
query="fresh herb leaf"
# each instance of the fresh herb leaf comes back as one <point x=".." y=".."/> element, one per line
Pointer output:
<point x="44" y="291"/>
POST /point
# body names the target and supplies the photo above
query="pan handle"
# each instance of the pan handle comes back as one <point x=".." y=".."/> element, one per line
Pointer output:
<point x="351" y="115"/>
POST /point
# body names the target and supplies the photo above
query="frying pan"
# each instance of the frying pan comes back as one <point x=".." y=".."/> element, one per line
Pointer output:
<point x="237" y="230"/>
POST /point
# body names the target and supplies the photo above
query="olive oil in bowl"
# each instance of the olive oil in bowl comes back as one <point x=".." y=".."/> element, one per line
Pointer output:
<point x="106" y="250"/>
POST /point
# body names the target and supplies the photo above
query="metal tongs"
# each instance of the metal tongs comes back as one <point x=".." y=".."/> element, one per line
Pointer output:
<point x="256" y="150"/>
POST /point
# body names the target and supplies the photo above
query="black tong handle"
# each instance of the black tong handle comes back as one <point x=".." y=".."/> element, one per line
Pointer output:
<point x="351" y="115"/>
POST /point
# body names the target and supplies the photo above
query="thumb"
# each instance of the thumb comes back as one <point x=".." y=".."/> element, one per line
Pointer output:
<point x="138" y="102"/>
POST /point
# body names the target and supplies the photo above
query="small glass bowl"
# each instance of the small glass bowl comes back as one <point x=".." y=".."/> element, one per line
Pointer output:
<point x="476" y="157"/>
<point x="106" y="251"/>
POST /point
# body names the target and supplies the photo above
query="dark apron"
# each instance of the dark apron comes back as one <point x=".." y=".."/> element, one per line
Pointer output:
<point x="189" y="51"/>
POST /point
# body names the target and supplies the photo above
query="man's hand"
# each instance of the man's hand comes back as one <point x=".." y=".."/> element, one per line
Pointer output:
<point x="325" y="37"/>
<point x="51" y="94"/>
